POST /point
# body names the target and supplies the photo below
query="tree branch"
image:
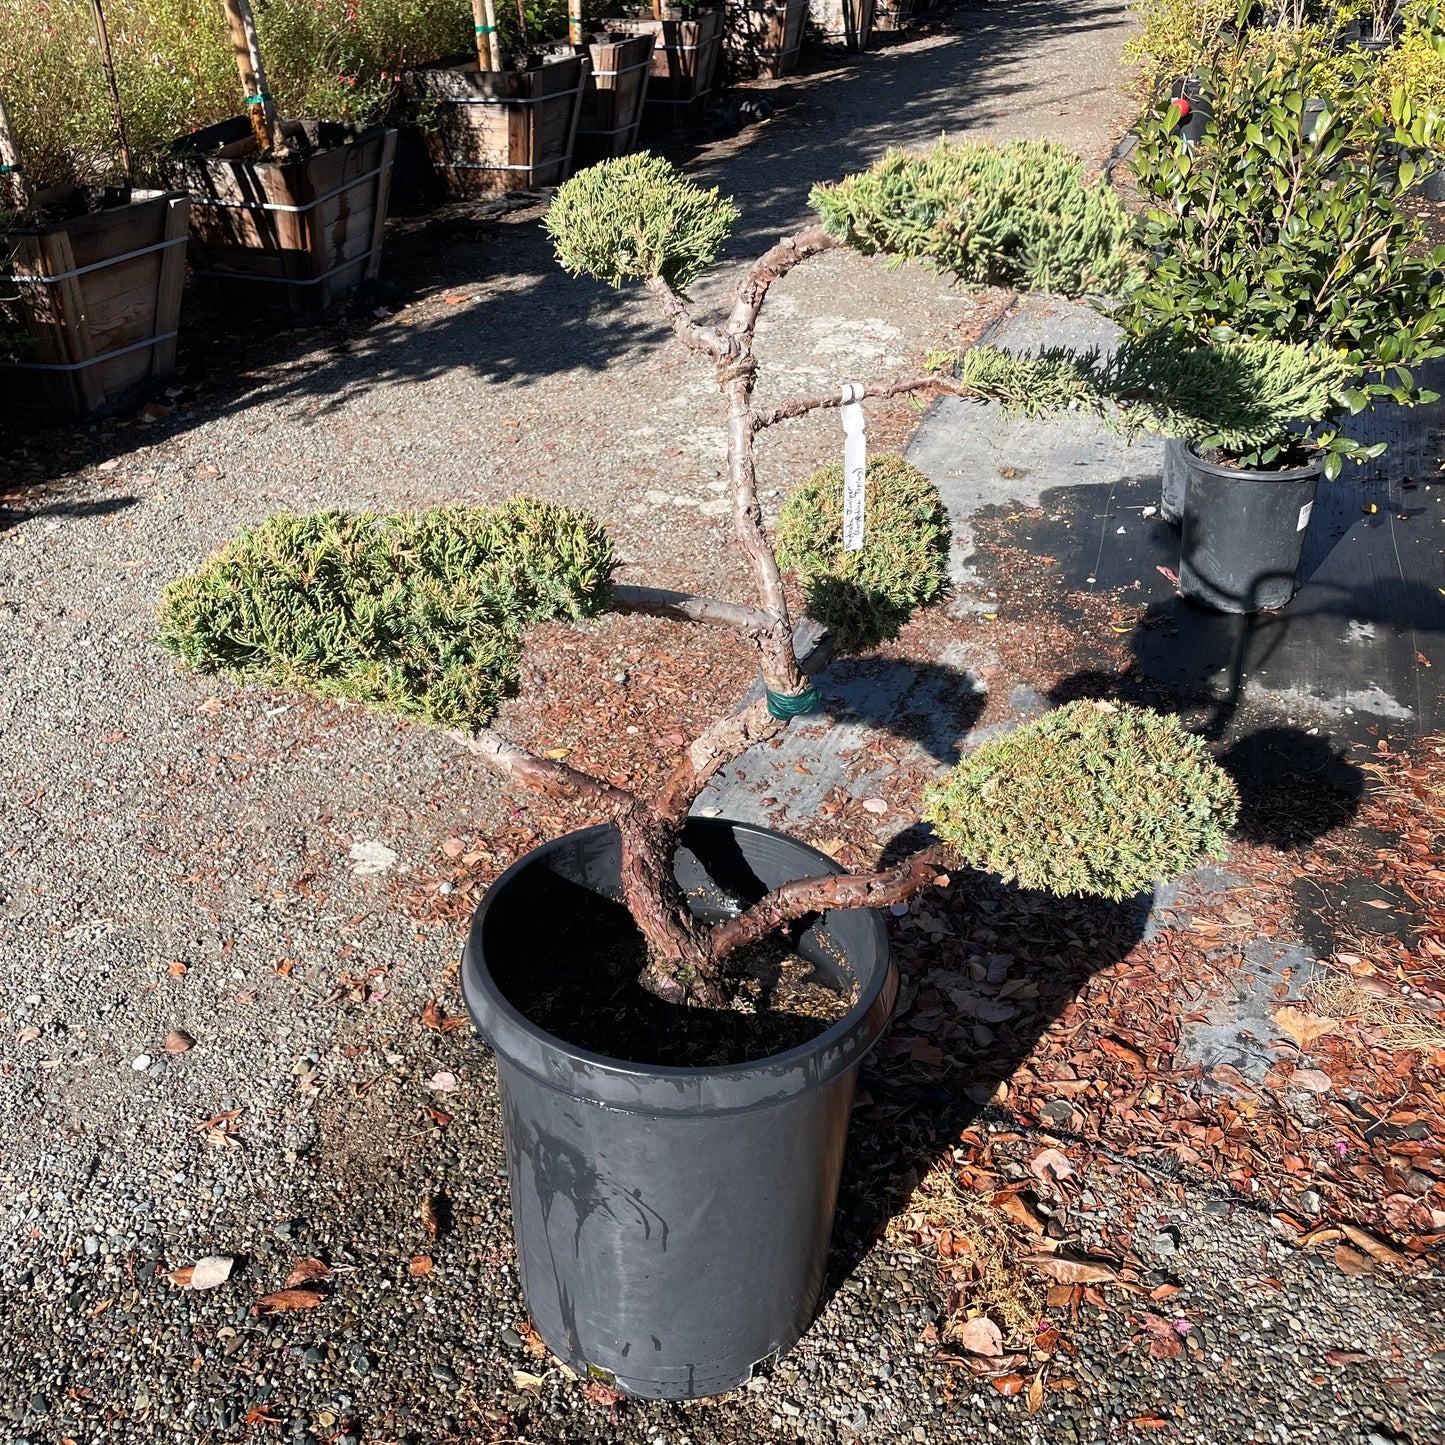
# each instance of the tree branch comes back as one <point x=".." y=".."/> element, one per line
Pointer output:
<point x="687" y="607"/>
<point x="773" y="265"/>
<point x="553" y="778"/>
<point x="701" y="339"/>
<point x="725" y="740"/>
<point x="817" y="895"/>
<point x="801" y="405"/>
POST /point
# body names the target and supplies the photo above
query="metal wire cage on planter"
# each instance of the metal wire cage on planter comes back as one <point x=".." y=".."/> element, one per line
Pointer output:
<point x="289" y="234"/>
<point x="763" y="38"/>
<point x="687" y="46"/>
<point x="894" y="16"/>
<point x="613" y="95"/>
<point x="492" y="131"/>
<point x="842" y="22"/>
<point x="92" y="303"/>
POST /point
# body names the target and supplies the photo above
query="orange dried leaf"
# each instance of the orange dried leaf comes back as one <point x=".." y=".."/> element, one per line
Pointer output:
<point x="1303" y="1026"/>
<point x="420" y="1264"/>
<point x="432" y="1015"/>
<point x="305" y="1269"/>
<point x="1008" y="1385"/>
<point x="287" y="1299"/>
<point x="1069" y="1270"/>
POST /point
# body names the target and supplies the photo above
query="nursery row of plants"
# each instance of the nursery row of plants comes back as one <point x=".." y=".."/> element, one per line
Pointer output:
<point x="262" y="139"/>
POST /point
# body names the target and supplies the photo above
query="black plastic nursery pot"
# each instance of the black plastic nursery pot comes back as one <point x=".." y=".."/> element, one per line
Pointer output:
<point x="672" y="1224"/>
<point x="1175" y="481"/>
<point x="1243" y="533"/>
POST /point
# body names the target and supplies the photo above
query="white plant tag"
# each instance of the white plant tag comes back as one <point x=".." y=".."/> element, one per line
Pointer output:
<point x="855" y="467"/>
<point x="1304" y="516"/>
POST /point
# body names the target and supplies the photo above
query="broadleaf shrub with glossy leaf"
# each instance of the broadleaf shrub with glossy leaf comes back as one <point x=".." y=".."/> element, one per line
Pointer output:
<point x="1093" y="798"/>
<point x="995" y="215"/>
<point x="414" y="613"/>
<point x="864" y="597"/>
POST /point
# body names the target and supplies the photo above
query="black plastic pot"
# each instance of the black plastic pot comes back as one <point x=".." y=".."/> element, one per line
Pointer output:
<point x="1175" y="481"/>
<point x="672" y="1224"/>
<point x="1201" y="109"/>
<point x="1243" y="533"/>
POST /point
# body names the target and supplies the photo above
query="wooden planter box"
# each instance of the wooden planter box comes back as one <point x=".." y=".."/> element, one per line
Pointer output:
<point x="842" y="22"/>
<point x="764" y="38"/>
<point x="686" y="51"/>
<point x="894" y="15"/>
<point x="98" y="299"/>
<point x="492" y="131"/>
<point x="613" y="96"/>
<point x="285" y="235"/>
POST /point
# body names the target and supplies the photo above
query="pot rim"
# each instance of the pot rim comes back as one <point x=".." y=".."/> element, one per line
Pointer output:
<point x="1294" y="474"/>
<point x="690" y="1090"/>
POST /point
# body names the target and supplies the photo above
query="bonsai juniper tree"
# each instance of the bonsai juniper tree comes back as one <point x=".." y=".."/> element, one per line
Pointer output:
<point x="422" y="614"/>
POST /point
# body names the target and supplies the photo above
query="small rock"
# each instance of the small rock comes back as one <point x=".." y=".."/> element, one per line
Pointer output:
<point x="92" y="1244"/>
<point x="141" y="1063"/>
<point x="1311" y="1201"/>
<point x="874" y="805"/>
<point x="444" y="1373"/>
<point x="512" y="1340"/>
<point x="361" y="1366"/>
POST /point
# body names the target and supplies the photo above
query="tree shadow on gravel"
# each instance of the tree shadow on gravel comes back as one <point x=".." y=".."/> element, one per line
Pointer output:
<point x="936" y="1071"/>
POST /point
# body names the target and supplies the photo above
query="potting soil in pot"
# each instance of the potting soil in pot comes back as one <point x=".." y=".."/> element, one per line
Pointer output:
<point x="581" y="985"/>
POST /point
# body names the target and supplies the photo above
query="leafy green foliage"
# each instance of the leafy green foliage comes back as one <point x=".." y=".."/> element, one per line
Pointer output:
<point x="1092" y="798"/>
<point x="414" y="613"/>
<point x="864" y="597"/>
<point x="1416" y="66"/>
<point x="1172" y="36"/>
<point x="1012" y="215"/>
<point x="638" y="217"/>
<point x="176" y="72"/>
<point x="1249" y="399"/>
<point x="1265" y="230"/>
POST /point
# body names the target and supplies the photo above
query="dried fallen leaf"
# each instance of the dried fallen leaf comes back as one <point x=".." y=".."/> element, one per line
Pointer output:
<point x="453" y="847"/>
<point x="1377" y="1249"/>
<point x="1351" y="1261"/>
<point x="1303" y="1026"/>
<point x="432" y="1015"/>
<point x="1036" y="1393"/>
<point x="536" y="1345"/>
<point x="525" y="1380"/>
<point x="177" y="969"/>
<point x="1020" y="1211"/>
<point x="1164" y="1340"/>
<point x="1313" y="1080"/>
<point x="178" y="1041"/>
<point x="439" y="1117"/>
<point x="1422" y="659"/>
<point x="1338" y="1359"/>
<point x="305" y="1269"/>
<point x="435" y="1214"/>
<point x="287" y="1299"/>
<point x="981" y="1336"/>
<point x="442" y="1082"/>
<point x="205" y="1273"/>
<point x="600" y="1394"/>
<point x="1008" y="1385"/>
<point x="27" y="1035"/>
<point x="1070" y="1270"/>
<point x="1051" y="1165"/>
<point x="420" y="1264"/>
<point x="283" y="969"/>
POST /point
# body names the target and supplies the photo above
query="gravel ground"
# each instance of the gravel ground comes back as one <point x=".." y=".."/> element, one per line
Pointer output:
<point x="244" y="869"/>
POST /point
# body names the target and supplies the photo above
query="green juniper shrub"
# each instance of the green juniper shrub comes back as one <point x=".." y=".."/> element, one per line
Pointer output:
<point x="864" y="597"/>
<point x="638" y="217"/>
<point x="414" y="613"/>
<point x="1254" y="400"/>
<point x="1012" y="215"/>
<point x="1095" y="798"/>
<point x="1265" y="231"/>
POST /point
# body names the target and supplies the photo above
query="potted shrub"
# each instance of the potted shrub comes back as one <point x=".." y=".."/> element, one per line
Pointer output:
<point x="287" y="215"/>
<point x="90" y="279"/>
<point x="763" y="37"/>
<point x="845" y="22"/>
<point x="1415" y="71"/>
<point x="674" y="1157"/>
<point x="1273" y="227"/>
<point x="1253" y="421"/>
<point x="687" y="49"/>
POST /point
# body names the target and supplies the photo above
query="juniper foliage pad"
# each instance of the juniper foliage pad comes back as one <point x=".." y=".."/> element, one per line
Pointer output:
<point x="1245" y="397"/>
<point x="864" y="597"/>
<point x="1093" y="798"/>
<point x="637" y="217"/>
<point x="1013" y="215"/>
<point x="414" y="613"/>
